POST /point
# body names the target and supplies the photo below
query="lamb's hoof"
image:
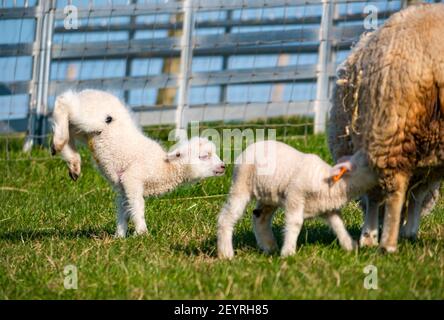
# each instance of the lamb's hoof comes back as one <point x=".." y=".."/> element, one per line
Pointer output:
<point x="140" y="232"/>
<point x="351" y="246"/>
<point x="119" y="235"/>
<point x="387" y="249"/>
<point x="368" y="240"/>
<point x="225" y="254"/>
<point x="53" y="150"/>
<point x="287" y="253"/>
<point x="74" y="176"/>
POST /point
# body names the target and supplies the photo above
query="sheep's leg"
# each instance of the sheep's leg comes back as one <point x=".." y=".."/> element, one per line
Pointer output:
<point x="294" y="218"/>
<point x="122" y="216"/>
<point x="431" y="198"/>
<point x="229" y="215"/>
<point x="392" y="217"/>
<point x="409" y="229"/>
<point x="370" y="229"/>
<point x="133" y="190"/>
<point x="337" y="224"/>
<point x="416" y="201"/>
<point x="262" y="218"/>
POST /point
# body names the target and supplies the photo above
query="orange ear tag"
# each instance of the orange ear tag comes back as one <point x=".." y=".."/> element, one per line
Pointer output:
<point x="337" y="177"/>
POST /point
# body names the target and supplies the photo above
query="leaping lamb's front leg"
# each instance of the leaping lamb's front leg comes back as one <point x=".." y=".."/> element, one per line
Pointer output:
<point x="294" y="218"/>
<point x="63" y="139"/>
<point x="72" y="158"/>
<point x="135" y="204"/>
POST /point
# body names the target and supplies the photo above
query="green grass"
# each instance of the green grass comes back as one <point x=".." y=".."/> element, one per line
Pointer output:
<point x="47" y="222"/>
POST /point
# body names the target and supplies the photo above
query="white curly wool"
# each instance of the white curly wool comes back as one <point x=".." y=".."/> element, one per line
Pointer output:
<point x="300" y="183"/>
<point x="133" y="163"/>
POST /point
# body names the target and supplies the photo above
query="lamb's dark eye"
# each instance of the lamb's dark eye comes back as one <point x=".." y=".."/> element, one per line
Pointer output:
<point x="109" y="119"/>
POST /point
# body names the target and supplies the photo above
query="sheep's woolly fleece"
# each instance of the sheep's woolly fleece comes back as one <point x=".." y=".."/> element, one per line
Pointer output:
<point x="389" y="97"/>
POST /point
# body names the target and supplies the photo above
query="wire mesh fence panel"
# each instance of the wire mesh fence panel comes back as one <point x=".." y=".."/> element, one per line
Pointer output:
<point x="18" y="24"/>
<point x="267" y="62"/>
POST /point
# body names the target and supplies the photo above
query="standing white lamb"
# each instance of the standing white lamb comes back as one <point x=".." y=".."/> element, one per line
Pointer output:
<point x="303" y="184"/>
<point x="133" y="163"/>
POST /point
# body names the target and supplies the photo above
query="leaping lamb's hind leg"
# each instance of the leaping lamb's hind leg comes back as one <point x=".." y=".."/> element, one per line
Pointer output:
<point x="262" y="219"/>
<point x="294" y="218"/>
<point x="337" y="224"/>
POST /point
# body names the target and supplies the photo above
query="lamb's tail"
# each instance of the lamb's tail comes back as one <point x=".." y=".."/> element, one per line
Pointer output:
<point x="60" y="121"/>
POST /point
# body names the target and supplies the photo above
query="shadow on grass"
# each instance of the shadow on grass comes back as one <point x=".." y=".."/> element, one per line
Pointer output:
<point x="245" y="240"/>
<point x="30" y="235"/>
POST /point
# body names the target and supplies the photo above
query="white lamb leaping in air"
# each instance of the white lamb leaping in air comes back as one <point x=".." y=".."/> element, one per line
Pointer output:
<point x="134" y="164"/>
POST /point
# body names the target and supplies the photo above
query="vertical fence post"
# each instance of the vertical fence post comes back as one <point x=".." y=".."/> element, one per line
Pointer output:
<point x="225" y="60"/>
<point x="37" y="52"/>
<point x="38" y="109"/>
<point x="47" y="72"/>
<point x="186" y="57"/>
<point x="129" y="59"/>
<point x="322" y="103"/>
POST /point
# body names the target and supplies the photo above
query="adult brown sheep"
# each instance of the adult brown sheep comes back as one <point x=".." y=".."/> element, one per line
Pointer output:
<point x="389" y="100"/>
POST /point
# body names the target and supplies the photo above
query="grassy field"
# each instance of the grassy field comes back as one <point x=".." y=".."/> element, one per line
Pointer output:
<point x="48" y="222"/>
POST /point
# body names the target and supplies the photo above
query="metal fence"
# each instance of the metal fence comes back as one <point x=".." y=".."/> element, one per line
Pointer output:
<point x="177" y="61"/>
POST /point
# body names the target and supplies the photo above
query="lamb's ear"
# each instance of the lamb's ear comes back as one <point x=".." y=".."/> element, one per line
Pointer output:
<point x="338" y="171"/>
